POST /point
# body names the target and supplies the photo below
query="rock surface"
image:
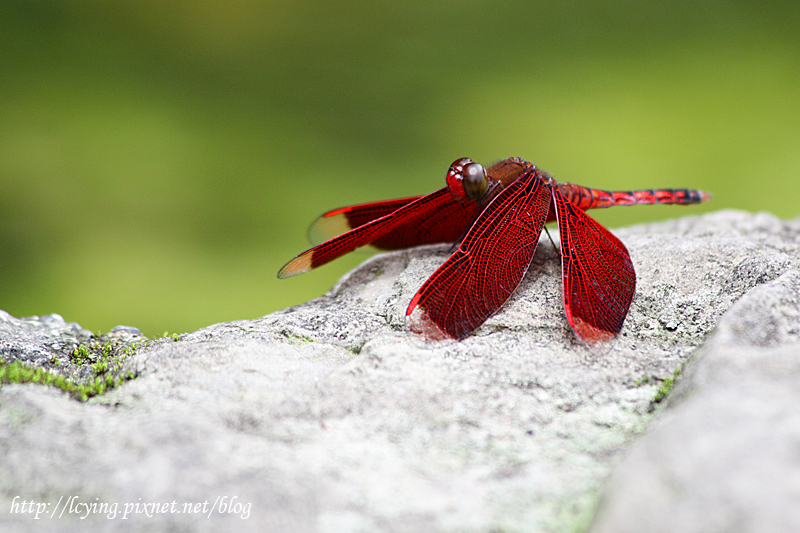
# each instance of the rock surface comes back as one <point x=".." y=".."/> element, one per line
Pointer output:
<point x="328" y="417"/>
<point x="726" y="454"/>
<point x="66" y="353"/>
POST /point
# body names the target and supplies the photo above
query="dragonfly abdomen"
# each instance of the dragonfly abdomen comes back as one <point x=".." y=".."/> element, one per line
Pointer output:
<point x="587" y="198"/>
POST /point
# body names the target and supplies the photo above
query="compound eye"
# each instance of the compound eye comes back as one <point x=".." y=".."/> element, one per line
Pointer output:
<point x="476" y="183"/>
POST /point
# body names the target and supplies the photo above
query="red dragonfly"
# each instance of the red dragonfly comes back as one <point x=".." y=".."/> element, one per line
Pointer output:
<point x="497" y="215"/>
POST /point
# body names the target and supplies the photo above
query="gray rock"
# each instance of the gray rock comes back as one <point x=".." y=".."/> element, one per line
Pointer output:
<point x="725" y="455"/>
<point x="329" y="417"/>
<point x="80" y="362"/>
<point x="37" y="340"/>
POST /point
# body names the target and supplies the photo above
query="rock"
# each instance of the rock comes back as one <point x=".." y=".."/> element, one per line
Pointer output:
<point x="48" y="350"/>
<point x="36" y="340"/>
<point x="329" y="417"/>
<point x="725" y="455"/>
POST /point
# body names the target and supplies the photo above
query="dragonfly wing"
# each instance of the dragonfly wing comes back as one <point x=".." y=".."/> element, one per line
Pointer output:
<point x="446" y="223"/>
<point x="342" y="220"/>
<point x="597" y="274"/>
<point x="407" y="220"/>
<point x="486" y="268"/>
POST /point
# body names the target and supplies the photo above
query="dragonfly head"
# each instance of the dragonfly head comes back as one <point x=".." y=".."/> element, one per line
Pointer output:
<point x="467" y="178"/>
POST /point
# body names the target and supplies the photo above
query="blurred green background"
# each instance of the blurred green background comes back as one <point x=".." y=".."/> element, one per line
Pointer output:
<point x="159" y="161"/>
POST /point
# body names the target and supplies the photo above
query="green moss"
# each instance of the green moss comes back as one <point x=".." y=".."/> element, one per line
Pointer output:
<point x="297" y="339"/>
<point x="667" y="385"/>
<point x="355" y="350"/>
<point x="17" y="372"/>
<point x="84" y="370"/>
<point x="664" y="389"/>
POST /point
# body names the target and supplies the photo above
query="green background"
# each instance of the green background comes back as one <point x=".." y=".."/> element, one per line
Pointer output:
<point x="159" y="161"/>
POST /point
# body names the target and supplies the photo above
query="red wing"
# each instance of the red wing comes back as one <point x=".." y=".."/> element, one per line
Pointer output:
<point x="446" y="223"/>
<point x="436" y="217"/>
<point x="492" y="259"/>
<point x="342" y="220"/>
<point x="596" y="273"/>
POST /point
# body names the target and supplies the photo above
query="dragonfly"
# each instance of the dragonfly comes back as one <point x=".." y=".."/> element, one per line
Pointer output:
<point x="495" y="217"/>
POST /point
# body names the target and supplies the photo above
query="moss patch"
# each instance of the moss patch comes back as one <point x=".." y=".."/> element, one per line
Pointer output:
<point x="82" y="370"/>
<point x="666" y="387"/>
<point x="17" y="372"/>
